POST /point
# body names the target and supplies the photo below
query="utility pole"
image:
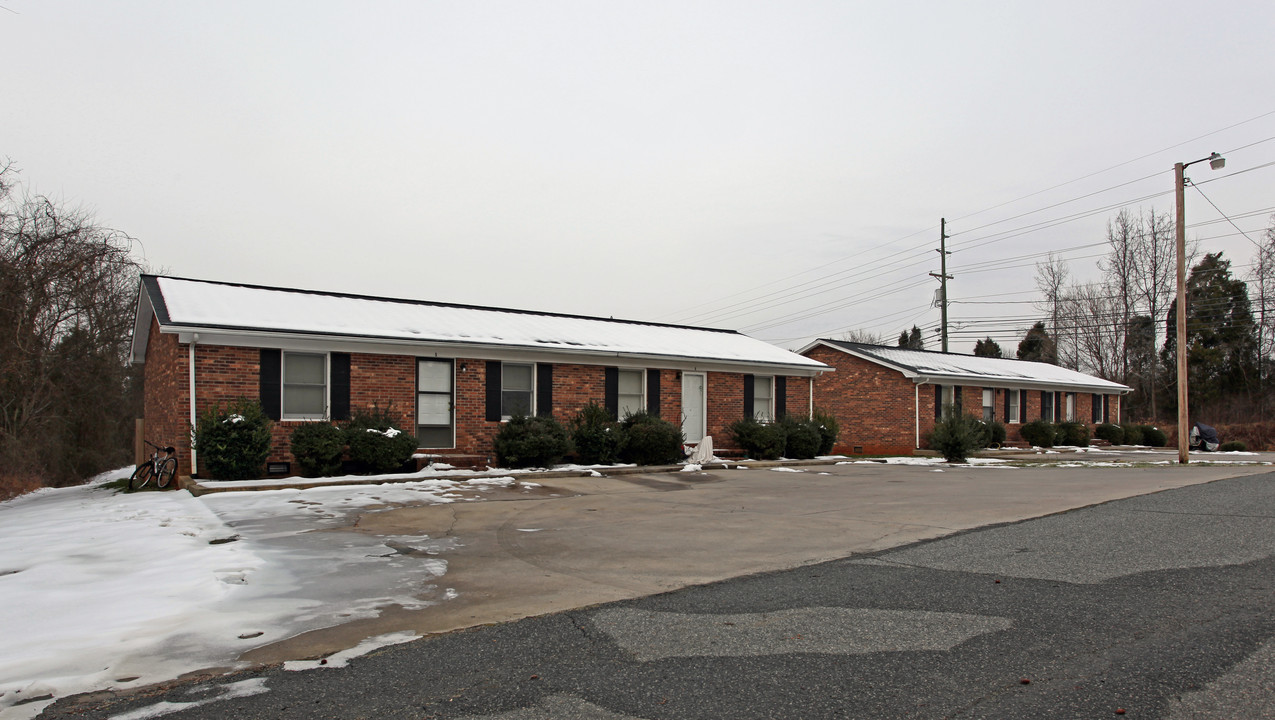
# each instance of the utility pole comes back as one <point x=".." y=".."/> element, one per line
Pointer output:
<point x="943" y="278"/>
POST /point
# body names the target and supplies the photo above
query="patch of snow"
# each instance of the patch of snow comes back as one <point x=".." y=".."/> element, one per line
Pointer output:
<point x="236" y="418"/>
<point x="781" y="468"/>
<point x="530" y="529"/>
<point x="691" y="467"/>
<point x="491" y="481"/>
<point x="230" y="691"/>
<point x="341" y="659"/>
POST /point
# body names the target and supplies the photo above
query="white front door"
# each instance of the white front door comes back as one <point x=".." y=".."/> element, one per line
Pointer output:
<point x="693" y="409"/>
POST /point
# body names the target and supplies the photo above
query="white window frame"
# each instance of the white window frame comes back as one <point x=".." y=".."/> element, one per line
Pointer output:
<point x="989" y="405"/>
<point x="1069" y="407"/>
<point x="283" y="387"/>
<point x="531" y="394"/>
<point x="948" y="400"/>
<point x="620" y="396"/>
<point x="1015" y="407"/>
<point x="767" y="415"/>
<point x="1053" y="411"/>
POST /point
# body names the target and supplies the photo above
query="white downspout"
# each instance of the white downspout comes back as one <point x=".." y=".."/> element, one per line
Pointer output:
<point x="811" y="414"/>
<point x="916" y="413"/>
<point x="194" y="466"/>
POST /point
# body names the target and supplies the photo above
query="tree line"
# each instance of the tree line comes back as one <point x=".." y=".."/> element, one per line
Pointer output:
<point x="68" y="395"/>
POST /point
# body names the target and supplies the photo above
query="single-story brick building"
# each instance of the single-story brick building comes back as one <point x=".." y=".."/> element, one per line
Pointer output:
<point x="452" y="373"/>
<point x="888" y="398"/>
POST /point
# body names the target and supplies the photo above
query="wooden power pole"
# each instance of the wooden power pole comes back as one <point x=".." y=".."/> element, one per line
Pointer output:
<point x="943" y="278"/>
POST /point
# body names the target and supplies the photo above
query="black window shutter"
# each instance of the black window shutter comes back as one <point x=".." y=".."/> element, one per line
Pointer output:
<point x="611" y="391"/>
<point x="653" y="391"/>
<point x="340" y="392"/>
<point x="493" y="391"/>
<point x="1058" y="411"/>
<point x="781" y="396"/>
<point x="749" y="387"/>
<point x="938" y="402"/>
<point x="1095" y="408"/>
<point x="1007" y="392"/>
<point x="271" y="381"/>
<point x="544" y="389"/>
<point x="956" y="400"/>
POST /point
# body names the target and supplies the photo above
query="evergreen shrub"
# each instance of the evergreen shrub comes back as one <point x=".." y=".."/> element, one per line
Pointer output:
<point x="598" y="439"/>
<point x="829" y="429"/>
<point x="996" y="433"/>
<point x="537" y="441"/>
<point x="1132" y="434"/>
<point x="1153" y="436"/>
<point x="377" y="445"/>
<point x="1110" y="432"/>
<point x="759" y="441"/>
<point x="801" y="437"/>
<point x="1039" y="433"/>
<point x="651" y="440"/>
<point x="1233" y="446"/>
<point x="957" y="435"/>
<point x="318" y="448"/>
<point x="1072" y="433"/>
<point x="233" y="440"/>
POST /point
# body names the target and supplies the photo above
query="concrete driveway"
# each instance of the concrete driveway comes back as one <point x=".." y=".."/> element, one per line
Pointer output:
<point x="575" y="542"/>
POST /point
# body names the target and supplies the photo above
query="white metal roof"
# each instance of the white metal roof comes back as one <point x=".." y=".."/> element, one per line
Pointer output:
<point x="938" y="367"/>
<point x="180" y="303"/>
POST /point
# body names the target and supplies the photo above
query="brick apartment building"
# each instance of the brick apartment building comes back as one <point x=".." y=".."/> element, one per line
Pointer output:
<point x="888" y="398"/>
<point x="452" y="373"/>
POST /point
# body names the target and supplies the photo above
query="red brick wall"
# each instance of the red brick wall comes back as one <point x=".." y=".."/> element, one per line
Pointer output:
<point x="872" y="404"/>
<point x="165" y="387"/>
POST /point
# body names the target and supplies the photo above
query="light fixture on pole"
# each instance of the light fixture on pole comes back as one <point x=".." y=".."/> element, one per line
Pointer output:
<point x="1216" y="162"/>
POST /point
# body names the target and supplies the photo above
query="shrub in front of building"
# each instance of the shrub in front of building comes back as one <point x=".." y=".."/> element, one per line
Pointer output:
<point x="651" y="440"/>
<point x="829" y="429"/>
<point x="1132" y="434"/>
<point x="957" y="435"/>
<point x="759" y="441"/>
<point x="377" y="445"/>
<point x="1072" y="433"/>
<point x="598" y="439"/>
<point x="318" y="448"/>
<point x="538" y="441"/>
<point x="1110" y="432"/>
<point x="1153" y="436"/>
<point x="802" y="438"/>
<point x="994" y="433"/>
<point x="1233" y="446"/>
<point x="233" y="440"/>
<point x="1039" y="433"/>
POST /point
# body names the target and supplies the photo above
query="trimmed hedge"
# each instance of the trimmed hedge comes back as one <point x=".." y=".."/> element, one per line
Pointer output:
<point x="759" y="441"/>
<point x="1132" y="434"/>
<point x="1153" y="436"/>
<point x="318" y="448"/>
<point x="1110" y="432"/>
<point x="233" y="440"/>
<point x="1072" y="433"/>
<point x="598" y="439"/>
<point x="538" y="441"/>
<point x="651" y="440"/>
<point x="376" y="443"/>
<point x="802" y="437"/>
<point x="829" y="429"/>
<point x="1039" y="433"/>
<point x="1233" y="446"/>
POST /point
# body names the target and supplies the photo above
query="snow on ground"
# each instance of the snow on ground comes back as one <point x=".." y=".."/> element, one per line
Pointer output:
<point x="113" y="590"/>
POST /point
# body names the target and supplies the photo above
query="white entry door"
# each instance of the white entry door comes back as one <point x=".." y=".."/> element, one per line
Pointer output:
<point x="693" y="408"/>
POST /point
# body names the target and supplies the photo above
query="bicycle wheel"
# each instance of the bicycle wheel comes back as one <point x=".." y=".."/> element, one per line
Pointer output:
<point x="167" y="470"/>
<point x="141" y="476"/>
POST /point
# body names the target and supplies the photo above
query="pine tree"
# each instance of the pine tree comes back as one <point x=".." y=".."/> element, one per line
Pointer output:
<point x="1038" y="346"/>
<point x="988" y="348"/>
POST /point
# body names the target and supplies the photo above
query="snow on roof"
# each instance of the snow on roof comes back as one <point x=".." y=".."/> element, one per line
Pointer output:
<point x="186" y="303"/>
<point x="942" y="366"/>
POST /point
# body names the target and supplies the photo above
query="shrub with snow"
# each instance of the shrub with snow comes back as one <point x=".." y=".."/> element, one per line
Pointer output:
<point x="598" y="439"/>
<point x="233" y="440"/>
<point x="376" y="443"/>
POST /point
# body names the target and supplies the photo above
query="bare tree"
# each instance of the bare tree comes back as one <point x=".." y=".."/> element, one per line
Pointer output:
<point x="1051" y="280"/>
<point x="863" y="336"/>
<point x="1090" y="310"/>
<point x="1155" y="276"/>
<point x="1262" y="280"/>
<point x="1119" y="270"/>
<point x="67" y="287"/>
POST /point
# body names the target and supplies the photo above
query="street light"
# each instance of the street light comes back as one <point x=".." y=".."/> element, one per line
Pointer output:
<point x="1216" y="162"/>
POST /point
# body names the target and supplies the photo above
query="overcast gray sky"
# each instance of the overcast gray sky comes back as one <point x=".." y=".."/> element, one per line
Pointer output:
<point x="774" y="167"/>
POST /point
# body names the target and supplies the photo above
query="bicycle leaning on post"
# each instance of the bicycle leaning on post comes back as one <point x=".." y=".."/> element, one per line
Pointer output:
<point x="162" y="468"/>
